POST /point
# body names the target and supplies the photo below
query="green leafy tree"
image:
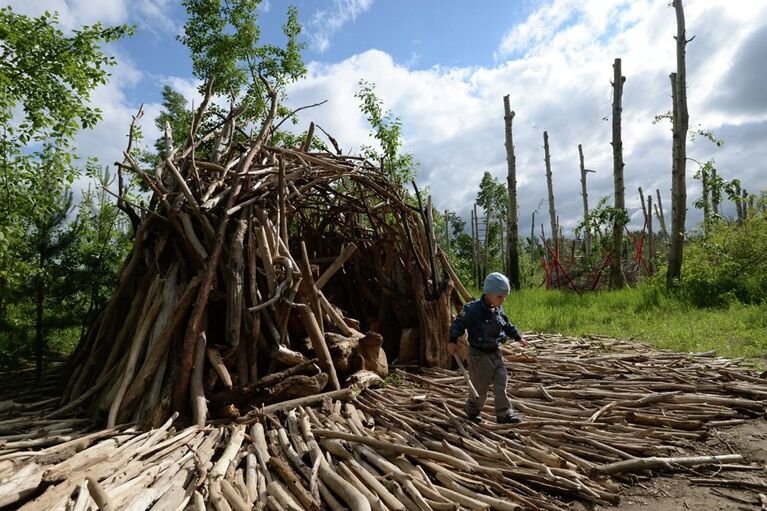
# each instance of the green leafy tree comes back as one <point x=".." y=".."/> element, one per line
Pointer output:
<point x="492" y="197"/>
<point x="387" y="131"/>
<point x="46" y="78"/>
<point x="102" y="243"/>
<point x="223" y="38"/>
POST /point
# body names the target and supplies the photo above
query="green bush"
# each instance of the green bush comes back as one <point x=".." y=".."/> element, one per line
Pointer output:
<point x="726" y="265"/>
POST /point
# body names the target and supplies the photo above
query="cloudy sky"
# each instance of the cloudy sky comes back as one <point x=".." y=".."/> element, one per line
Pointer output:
<point x="443" y="66"/>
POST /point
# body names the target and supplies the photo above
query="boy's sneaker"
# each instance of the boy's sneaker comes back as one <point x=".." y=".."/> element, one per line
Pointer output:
<point x="476" y="419"/>
<point x="509" y="419"/>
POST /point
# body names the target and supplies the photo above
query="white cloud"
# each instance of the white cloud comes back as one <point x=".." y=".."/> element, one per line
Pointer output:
<point x="557" y="68"/>
<point x="326" y="22"/>
<point x="152" y="15"/>
<point x="559" y="80"/>
<point x="75" y="13"/>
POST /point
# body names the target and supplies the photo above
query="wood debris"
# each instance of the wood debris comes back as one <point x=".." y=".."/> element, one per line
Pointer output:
<point x="596" y="412"/>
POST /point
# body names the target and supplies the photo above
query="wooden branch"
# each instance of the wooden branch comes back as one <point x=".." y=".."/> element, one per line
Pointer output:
<point x="337" y="265"/>
<point x="656" y="463"/>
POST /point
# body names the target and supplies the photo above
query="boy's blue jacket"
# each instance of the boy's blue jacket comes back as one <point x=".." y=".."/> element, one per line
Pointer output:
<point x="487" y="328"/>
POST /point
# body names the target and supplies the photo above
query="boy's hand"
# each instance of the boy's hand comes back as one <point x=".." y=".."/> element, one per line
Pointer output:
<point x="452" y="348"/>
<point x="523" y="342"/>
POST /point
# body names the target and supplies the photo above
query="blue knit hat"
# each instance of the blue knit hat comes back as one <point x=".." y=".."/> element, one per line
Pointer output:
<point x="496" y="284"/>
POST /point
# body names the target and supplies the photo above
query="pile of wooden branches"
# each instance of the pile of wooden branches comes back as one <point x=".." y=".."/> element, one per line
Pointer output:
<point x="259" y="260"/>
<point x="596" y="413"/>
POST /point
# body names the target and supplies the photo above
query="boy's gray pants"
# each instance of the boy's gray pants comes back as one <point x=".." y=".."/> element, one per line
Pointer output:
<point x="484" y="369"/>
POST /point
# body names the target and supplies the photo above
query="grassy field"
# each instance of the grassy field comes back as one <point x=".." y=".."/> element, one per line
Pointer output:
<point x="644" y="314"/>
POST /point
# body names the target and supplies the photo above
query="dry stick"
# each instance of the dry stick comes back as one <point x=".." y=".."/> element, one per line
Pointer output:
<point x="136" y="347"/>
<point x="340" y="395"/>
<point x="653" y="463"/>
<point x="309" y="285"/>
<point x="337" y="264"/>
<point x="265" y="253"/>
<point x="159" y="350"/>
<point x="294" y="484"/>
<point x="335" y="317"/>
<point x="473" y="391"/>
<point x="465" y="295"/>
<point x="217" y="363"/>
<point x="320" y="346"/>
<point x="221" y="466"/>
<point x="196" y="389"/>
<point x="194" y="327"/>
<point x="233" y="496"/>
<point x="281" y="198"/>
<point x="99" y="495"/>
<point x="401" y="449"/>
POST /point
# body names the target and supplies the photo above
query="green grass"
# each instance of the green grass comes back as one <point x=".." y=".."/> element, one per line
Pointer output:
<point x="646" y="314"/>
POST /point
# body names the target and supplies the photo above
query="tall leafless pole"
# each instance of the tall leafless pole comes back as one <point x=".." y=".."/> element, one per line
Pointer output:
<point x="650" y="235"/>
<point x="474" y="259"/>
<point x="552" y="209"/>
<point x="532" y="238"/>
<point x="585" y="195"/>
<point x="447" y="230"/>
<point x="477" y="244"/>
<point x="661" y="215"/>
<point x="738" y="203"/>
<point x="512" y="224"/>
<point x="616" y="275"/>
<point x="679" y="149"/>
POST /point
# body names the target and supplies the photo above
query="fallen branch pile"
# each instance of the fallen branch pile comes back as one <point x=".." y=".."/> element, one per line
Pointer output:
<point x="595" y="413"/>
<point x="259" y="260"/>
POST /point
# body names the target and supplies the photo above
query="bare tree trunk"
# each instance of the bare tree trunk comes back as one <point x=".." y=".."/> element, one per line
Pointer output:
<point x="616" y="275"/>
<point x="738" y="204"/>
<point x="679" y="150"/>
<point x="552" y="209"/>
<point x="475" y="244"/>
<point x="512" y="224"/>
<point x="484" y="242"/>
<point x="650" y="235"/>
<point x="716" y="193"/>
<point x="532" y="238"/>
<point x="744" y="204"/>
<point x="705" y="182"/>
<point x="661" y="216"/>
<point x="585" y="195"/>
<point x="447" y="231"/>
<point x="645" y="217"/>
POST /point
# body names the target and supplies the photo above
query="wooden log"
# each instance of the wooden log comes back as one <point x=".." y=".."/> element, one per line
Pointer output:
<point x="160" y="347"/>
<point x="196" y="390"/>
<point x="21" y="484"/>
<point x="465" y="295"/>
<point x="657" y="463"/>
<point x="373" y="356"/>
<point x="342" y="395"/>
<point x="319" y="345"/>
<point x="99" y="495"/>
<point x="217" y="363"/>
<point x="181" y="385"/>
<point x="337" y="265"/>
<point x="309" y="286"/>
<point x="286" y="356"/>
<point x="136" y="347"/>
<point x="291" y="480"/>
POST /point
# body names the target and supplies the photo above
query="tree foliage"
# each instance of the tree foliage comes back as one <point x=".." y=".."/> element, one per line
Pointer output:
<point x="223" y="38"/>
<point x="387" y="131"/>
<point x="46" y="78"/>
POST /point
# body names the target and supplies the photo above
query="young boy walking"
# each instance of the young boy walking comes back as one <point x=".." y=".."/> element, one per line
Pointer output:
<point x="488" y="326"/>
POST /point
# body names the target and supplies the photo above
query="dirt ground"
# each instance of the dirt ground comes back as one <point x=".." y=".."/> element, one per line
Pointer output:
<point x="676" y="492"/>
